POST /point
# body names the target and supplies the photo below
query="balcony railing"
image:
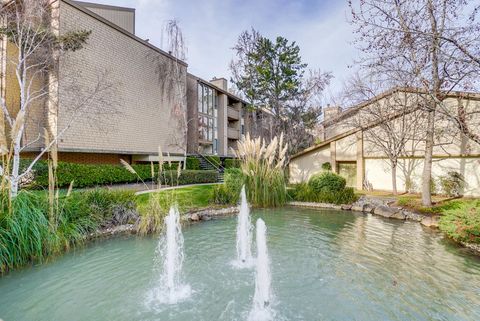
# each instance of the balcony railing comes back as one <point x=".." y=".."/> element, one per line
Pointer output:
<point x="233" y="133"/>
<point x="232" y="113"/>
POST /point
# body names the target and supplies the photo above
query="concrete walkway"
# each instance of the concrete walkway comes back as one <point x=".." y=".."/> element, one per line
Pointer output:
<point x="171" y="188"/>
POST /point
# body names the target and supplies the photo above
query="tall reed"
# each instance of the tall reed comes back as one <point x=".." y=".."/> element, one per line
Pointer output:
<point x="263" y="166"/>
<point x="26" y="232"/>
<point x="153" y="214"/>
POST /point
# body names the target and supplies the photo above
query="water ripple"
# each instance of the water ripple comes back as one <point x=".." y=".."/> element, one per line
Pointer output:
<point x="326" y="265"/>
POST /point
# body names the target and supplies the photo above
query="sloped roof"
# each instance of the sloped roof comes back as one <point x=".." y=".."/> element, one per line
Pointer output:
<point x="353" y="110"/>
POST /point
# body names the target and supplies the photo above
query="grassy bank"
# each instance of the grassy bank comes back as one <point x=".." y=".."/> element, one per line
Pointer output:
<point x="188" y="198"/>
<point x="459" y="217"/>
<point x="153" y="207"/>
<point x="29" y="235"/>
<point x="29" y="232"/>
<point x="461" y="221"/>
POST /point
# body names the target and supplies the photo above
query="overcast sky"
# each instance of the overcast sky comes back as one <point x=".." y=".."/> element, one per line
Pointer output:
<point x="211" y="28"/>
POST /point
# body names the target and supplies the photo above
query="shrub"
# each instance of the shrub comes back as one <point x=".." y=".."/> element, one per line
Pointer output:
<point x="229" y="192"/>
<point x="193" y="163"/>
<point x="232" y="163"/>
<point x="327" y="182"/>
<point x="234" y="180"/>
<point x="221" y="195"/>
<point x="169" y="177"/>
<point x="462" y="223"/>
<point x="215" y="160"/>
<point x="89" y="175"/>
<point x="305" y="193"/>
<point x="111" y="207"/>
<point x="452" y="184"/>
<point x="327" y="166"/>
<point x="302" y="193"/>
<point x="345" y="196"/>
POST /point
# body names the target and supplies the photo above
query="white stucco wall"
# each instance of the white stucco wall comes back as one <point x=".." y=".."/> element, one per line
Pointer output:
<point x="378" y="173"/>
<point x="303" y="167"/>
<point x="346" y="148"/>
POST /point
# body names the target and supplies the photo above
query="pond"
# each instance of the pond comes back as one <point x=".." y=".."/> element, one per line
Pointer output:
<point x="325" y="265"/>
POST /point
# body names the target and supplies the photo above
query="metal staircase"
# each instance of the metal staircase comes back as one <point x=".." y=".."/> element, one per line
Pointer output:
<point x="206" y="164"/>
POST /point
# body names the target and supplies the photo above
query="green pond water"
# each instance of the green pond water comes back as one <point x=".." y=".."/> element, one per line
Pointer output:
<point x="326" y="265"/>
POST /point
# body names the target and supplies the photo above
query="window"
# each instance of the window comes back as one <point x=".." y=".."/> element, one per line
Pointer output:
<point x="208" y="113"/>
<point x="205" y="128"/>
<point x="210" y="129"/>
<point x="210" y="102"/>
<point x="242" y="121"/>
<point x="200" y="98"/>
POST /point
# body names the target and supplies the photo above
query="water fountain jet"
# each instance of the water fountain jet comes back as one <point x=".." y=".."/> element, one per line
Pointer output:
<point x="261" y="309"/>
<point x="244" y="233"/>
<point x="169" y="255"/>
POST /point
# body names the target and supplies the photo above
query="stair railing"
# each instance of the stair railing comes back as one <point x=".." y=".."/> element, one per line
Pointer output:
<point x="217" y="167"/>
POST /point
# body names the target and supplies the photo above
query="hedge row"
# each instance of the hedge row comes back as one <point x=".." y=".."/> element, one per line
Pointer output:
<point x="232" y="163"/>
<point x="189" y="177"/>
<point x="193" y="163"/>
<point x="304" y="192"/>
<point x="215" y="160"/>
<point x="88" y="175"/>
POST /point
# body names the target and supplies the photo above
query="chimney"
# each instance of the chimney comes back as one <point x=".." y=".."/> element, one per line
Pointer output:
<point x="220" y="82"/>
<point x="330" y="112"/>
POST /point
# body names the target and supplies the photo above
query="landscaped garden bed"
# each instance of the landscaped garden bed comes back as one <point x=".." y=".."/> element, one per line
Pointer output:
<point x="91" y="175"/>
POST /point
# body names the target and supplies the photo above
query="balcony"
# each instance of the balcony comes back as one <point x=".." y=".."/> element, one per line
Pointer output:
<point x="233" y="133"/>
<point x="233" y="113"/>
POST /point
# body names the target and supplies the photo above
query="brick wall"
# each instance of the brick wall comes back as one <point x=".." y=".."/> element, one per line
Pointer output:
<point x="85" y="158"/>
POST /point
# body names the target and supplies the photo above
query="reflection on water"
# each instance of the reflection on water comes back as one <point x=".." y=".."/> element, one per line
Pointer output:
<point x="326" y="265"/>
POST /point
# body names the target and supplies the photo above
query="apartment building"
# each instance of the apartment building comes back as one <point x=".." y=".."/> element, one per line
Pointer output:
<point x="217" y="119"/>
<point x="145" y="108"/>
<point x="353" y="154"/>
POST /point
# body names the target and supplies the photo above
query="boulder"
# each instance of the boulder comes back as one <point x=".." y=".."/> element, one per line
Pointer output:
<point x="357" y="208"/>
<point x="399" y="216"/>
<point x="369" y="208"/>
<point x="346" y="207"/>
<point x="385" y="211"/>
<point x="413" y="216"/>
<point x="194" y="217"/>
<point x="206" y="218"/>
<point x="430" y="221"/>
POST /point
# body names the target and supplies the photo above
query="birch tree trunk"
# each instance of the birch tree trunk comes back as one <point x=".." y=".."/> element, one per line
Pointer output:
<point x="428" y="158"/>
<point x="394" y="177"/>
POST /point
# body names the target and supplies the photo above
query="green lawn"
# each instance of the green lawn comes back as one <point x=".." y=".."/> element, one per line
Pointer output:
<point x="188" y="198"/>
<point x="440" y="203"/>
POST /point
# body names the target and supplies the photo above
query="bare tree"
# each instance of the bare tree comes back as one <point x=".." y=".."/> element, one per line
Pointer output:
<point x="388" y="123"/>
<point x="31" y="29"/>
<point x="304" y="110"/>
<point x="406" y="41"/>
<point x="172" y="76"/>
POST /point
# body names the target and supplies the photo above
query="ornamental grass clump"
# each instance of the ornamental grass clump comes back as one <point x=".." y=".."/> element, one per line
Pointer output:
<point x="263" y="167"/>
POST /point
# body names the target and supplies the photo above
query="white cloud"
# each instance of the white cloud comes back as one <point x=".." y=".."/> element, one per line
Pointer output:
<point x="211" y="28"/>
